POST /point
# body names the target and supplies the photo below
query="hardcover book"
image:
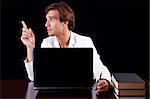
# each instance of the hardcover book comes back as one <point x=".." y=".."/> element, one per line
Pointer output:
<point x="127" y="81"/>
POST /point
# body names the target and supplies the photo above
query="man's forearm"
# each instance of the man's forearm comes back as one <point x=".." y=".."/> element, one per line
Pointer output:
<point x="29" y="54"/>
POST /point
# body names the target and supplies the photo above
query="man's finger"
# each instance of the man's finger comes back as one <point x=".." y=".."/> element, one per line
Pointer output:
<point x="31" y="32"/>
<point x="23" y="24"/>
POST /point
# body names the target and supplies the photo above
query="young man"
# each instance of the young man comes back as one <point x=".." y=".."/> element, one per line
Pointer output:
<point x="60" y="21"/>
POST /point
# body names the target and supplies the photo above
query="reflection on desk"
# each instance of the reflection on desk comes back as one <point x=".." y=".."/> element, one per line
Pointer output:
<point x="24" y="89"/>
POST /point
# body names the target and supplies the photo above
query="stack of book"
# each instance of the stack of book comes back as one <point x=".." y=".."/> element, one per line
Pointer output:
<point x="128" y="86"/>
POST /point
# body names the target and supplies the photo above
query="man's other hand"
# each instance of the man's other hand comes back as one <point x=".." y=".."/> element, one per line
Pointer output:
<point x="102" y="86"/>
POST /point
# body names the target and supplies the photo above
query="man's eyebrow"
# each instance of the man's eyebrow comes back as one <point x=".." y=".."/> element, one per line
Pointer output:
<point x="50" y="16"/>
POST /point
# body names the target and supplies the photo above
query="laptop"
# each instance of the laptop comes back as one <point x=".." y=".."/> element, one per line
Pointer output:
<point x="63" y="69"/>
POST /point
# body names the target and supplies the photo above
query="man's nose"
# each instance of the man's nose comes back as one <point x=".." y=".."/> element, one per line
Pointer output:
<point x="47" y="24"/>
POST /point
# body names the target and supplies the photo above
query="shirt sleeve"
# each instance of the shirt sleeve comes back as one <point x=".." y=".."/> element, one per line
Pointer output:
<point x="29" y="69"/>
<point x="100" y="70"/>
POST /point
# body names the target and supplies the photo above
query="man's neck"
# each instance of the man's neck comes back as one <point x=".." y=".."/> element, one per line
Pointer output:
<point x="64" y="38"/>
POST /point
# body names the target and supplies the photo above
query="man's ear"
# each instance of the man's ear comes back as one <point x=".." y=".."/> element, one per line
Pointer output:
<point x="66" y="22"/>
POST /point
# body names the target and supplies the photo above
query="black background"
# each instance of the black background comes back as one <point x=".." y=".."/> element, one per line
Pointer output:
<point x="118" y="28"/>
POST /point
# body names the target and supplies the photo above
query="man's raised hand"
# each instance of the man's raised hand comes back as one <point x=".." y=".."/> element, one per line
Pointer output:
<point x="27" y="37"/>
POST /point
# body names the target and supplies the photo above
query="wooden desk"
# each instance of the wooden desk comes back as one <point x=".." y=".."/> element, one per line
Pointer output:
<point x="24" y="89"/>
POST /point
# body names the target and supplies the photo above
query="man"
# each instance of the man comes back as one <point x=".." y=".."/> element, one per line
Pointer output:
<point x="60" y="21"/>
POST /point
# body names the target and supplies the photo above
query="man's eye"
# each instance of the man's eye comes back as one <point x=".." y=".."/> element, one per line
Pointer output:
<point x="51" y="19"/>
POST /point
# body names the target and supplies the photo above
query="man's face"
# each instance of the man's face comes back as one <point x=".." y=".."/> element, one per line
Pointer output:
<point x="53" y="24"/>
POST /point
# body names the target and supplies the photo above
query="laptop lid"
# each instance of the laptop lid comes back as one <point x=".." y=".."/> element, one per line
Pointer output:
<point x="63" y="68"/>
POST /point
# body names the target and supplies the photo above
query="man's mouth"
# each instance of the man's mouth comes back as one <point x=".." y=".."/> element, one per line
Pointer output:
<point x="48" y="30"/>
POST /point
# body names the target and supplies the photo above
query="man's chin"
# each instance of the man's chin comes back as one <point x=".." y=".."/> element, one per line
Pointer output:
<point x="50" y="34"/>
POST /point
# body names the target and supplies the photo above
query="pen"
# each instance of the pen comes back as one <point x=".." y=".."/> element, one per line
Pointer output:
<point x="97" y="82"/>
<point x="100" y="76"/>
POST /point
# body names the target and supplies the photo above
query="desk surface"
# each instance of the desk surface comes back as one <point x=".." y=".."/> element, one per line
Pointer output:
<point x="24" y="89"/>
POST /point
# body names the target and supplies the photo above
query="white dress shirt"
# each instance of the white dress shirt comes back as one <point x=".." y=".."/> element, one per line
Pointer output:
<point x="76" y="40"/>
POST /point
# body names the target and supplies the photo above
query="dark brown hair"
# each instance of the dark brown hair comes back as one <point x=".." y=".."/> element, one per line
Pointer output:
<point x="65" y="13"/>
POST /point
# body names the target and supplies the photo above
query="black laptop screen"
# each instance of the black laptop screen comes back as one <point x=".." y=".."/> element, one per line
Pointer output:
<point x="63" y="67"/>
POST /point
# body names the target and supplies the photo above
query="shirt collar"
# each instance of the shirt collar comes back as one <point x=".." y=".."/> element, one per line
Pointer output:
<point x="71" y="41"/>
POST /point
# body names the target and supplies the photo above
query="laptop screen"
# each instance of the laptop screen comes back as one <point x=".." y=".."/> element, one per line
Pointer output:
<point x="63" y="67"/>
